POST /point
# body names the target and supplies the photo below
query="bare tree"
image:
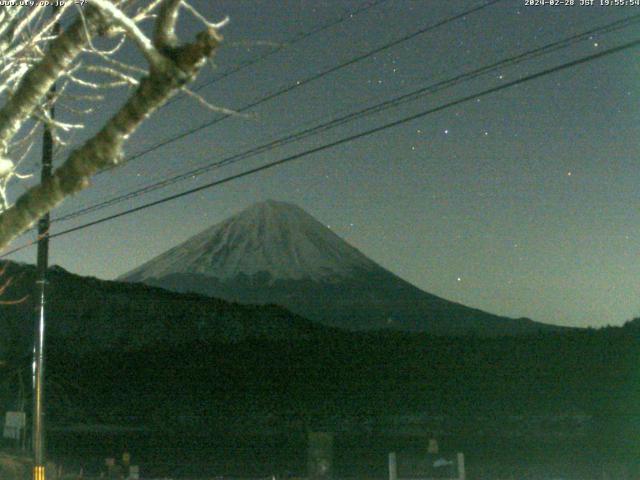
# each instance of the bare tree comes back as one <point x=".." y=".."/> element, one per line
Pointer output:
<point x="35" y="55"/>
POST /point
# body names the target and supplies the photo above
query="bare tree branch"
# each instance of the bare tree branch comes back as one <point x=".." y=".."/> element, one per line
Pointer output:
<point x="37" y="81"/>
<point x="132" y="30"/>
<point x="178" y="67"/>
<point x="164" y="35"/>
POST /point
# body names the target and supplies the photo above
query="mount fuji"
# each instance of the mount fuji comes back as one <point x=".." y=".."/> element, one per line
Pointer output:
<point x="276" y="253"/>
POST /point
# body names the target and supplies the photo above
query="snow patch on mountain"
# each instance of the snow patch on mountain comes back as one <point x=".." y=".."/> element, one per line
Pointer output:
<point x="274" y="237"/>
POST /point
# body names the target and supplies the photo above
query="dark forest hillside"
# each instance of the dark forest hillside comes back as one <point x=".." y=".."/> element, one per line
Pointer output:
<point x="133" y="354"/>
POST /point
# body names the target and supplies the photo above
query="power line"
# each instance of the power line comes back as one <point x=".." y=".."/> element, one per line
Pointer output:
<point x="411" y="96"/>
<point x="344" y="140"/>
<point x="295" y="39"/>
<point x="312" y="78"/>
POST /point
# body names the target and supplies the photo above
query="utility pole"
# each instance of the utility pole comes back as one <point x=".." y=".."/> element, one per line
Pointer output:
<point x="41" y="290"/>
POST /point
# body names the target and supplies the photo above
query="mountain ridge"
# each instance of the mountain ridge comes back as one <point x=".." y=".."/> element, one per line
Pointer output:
<point x="87" y="314"/>
<point x="275" y="252"/>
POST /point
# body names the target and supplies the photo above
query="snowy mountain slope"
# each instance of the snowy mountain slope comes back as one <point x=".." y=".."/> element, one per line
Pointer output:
<point x="276" y="253"/>
<point x="274" y="237"/>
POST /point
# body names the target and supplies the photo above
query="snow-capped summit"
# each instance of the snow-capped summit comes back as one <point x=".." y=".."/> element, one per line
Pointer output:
<point x="276" y="253"/>
<point x="275" y="238"/>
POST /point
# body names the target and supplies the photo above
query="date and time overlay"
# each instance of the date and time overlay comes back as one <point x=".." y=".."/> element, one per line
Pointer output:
<point x="582" y="3"/>
<point x="527" y="3"/>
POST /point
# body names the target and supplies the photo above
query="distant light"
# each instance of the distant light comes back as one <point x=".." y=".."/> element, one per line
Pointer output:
<point x="568" y="174"/>
<point x="446" y="132"/>
<point x="459" y="279"/>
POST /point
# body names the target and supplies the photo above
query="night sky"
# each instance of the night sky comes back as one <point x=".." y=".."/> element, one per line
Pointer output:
<point x="520" y="203"/>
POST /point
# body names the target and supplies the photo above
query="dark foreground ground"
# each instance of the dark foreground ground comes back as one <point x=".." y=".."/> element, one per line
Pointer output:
<point x="214" y="453"/>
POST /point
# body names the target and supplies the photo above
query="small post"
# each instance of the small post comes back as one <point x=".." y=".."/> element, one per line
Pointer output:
<point x="461" y="471"/>
<point x="320" y="455"/>
<point x="393" y="466"/>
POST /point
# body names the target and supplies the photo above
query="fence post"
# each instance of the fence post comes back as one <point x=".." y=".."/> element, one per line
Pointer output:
<point x="393" y="466"/>
<point x="461" y="471"/>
